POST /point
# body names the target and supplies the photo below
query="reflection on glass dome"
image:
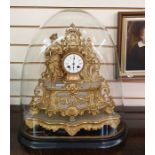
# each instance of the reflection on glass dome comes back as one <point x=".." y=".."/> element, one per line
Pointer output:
<point x="69" y="86"/>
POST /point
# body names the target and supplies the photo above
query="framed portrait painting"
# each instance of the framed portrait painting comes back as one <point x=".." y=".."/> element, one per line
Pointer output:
<point x="131" y="43"/>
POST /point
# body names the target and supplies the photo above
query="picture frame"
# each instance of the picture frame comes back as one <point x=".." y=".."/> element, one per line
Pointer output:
<point x="131" y="44"/>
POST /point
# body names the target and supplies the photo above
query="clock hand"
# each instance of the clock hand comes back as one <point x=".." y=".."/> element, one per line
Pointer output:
<point x="73" y="61"/>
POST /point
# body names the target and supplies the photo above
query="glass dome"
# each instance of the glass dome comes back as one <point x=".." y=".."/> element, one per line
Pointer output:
<point x="70" y="83"/>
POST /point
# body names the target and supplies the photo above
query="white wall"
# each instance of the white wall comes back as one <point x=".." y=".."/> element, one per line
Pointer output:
<point x="28" y="15"/>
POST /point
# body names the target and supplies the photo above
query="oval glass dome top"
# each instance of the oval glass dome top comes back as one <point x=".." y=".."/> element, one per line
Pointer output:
<point x="70" y="84"/>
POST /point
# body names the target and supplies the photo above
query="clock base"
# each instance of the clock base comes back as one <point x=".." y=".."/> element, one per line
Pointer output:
<point x="74" y="142"/>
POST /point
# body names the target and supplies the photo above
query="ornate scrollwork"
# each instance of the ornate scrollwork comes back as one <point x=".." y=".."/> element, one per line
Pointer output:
<point x="89" y="94"/>
<point x="73" y="129"/>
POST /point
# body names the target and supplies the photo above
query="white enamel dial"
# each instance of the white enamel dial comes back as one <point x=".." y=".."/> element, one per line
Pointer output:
<point x="73" y="63"/>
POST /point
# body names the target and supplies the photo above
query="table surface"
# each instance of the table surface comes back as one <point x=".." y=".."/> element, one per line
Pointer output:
<point x="134" y="144"/>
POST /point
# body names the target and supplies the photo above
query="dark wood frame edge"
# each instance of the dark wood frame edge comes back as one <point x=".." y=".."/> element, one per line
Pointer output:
<point x="119" y="36"/>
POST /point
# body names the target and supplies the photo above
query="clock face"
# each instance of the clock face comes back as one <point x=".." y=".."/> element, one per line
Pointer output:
<point x="73" y="63"/>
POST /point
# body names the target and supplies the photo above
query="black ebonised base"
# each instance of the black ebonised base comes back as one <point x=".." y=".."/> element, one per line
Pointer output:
<point x="73" y="142"/>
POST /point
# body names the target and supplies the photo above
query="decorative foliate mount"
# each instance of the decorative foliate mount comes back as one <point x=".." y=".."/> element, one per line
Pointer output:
<point x="67" y="94"/>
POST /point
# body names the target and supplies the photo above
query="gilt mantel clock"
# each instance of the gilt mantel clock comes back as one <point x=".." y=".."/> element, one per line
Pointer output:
<point x="71" y="106"/>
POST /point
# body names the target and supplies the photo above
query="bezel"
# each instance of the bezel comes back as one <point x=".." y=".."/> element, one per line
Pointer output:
<point x="80" y="55"/>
